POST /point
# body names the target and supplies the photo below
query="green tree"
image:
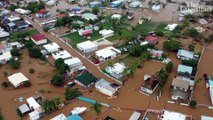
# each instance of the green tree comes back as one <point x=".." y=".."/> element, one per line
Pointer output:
<point x="95" y="10"/>
<point x="35" y="53"/>
<point x="59" y="62"/>
<point x="172" y="45"/>
<point x="27" y="84"/>
<point x="56" y="102"/>
<point x="193" y="103"/>
<point x="57" y="80"/>
<point x="72" y="93"/>
<point x="1" y="116"/>
<point x="31" y="70"/>
<point x="110" y="63"/>
<point x="193" y="33"/>
<point x="162" y="76"/>
<point x="169" y="67"/>
<point x="135" y="50"/>
<point x="63" y="68"/>
<point x="97" y="107"/>
<point x="15" y="64"/>
<point x="15" y="52"/>
<point x="191" y="47"/>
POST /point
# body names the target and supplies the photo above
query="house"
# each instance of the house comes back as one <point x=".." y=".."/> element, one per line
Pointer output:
<point x="156" y="53"/>
<point x="17" y="79"/>
<point x="74" y="117"/>
<point x="135" y="4"/>
<point x="75" y="64"/>
<point x="150" y="84"/>
<point x="59" y="117"/>
<point x="63" y="54"/>
<point x="43" y="13"/>
<point x="180" y="88"/>
<point x="9" y="46"/>
<point x="115" y="4"/>
<point x="76" y="10"/>
<point x="171" y="27"/>
<point x="95" y="4"/>
<point x="39" y="39"/>
<point x="3" y="33"/>
<point x="135" y="116"/>
<point x="87" y="46"/>
<point x="107" y="53"/>
<point x="170" y="115"/>
<point x="117" y="70"/>
<point x="156" y="8"/>
<point x="22" y="11"/>
<point x="33" y="104"/>
<point x="89" y="16"/>
<point x="203" y="117"/>
<point x="106" y="33"/>
<point x="86" y="80"/>
<point x="184" y="70"/>
<point x="87" y="32"/>
<point x="151" y="39"/>
<point x="185" y="55"/>
<point x="105" y="87"/>
<point x="52" y="47"/>
<point x="5" y="57"/>
<point x="34" y="115"/>
<point x="116" y="16"/>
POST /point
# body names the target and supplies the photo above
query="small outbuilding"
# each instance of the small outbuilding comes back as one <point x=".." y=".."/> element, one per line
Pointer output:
<point x="106" y="33"/>
<point x="86" y="80"/>
<point x="87" y="46"/>
<point x="89" y="16"/>
<point x="5" y="57"/>
<point x="183" y="69"/>
<point x="185" y="55"/>
<point x="61" y="54"/>
<point x="74" y="63"/>
<point x="52" y="47"/>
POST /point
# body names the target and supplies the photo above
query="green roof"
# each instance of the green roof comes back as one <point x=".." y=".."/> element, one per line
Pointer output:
<point x="86" y="79"/>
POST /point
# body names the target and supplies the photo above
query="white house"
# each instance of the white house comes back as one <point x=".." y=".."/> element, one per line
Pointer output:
<point x="5" y="57"/>
<point x="89" y="16"/>
<point x="185" y="55"/>
<point x="182" y="69"/>
<point x="39" y="39"/>
<point x="22" y="11"/>
<point x="107" y="53"/>
<point x="116" y="16"/>
<point x="33" y="104"/>
<point x="61" y="54"/>
<point x="74" y="63"/>
<point x="170" y="115"/>
<point x="171" y="27"/>
<point x="34" y="115"/>
<point x="17" y="79"/>
<point x="135" y="116"/>
<point x="43" y="13"/>
<point x="104" y="87"/>
<point x="203" y="117"/>
<point x="106" y="33"/>
<point x="52" y="47"/>
<point x="87" y="46"/>
<point x="116" y="70"/>
<point x="135" y="4"/>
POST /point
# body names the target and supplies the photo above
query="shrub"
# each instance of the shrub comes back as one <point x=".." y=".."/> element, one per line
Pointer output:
<point x="191" y="47"/>
<point x="169" y="67"/>
<point x="193" y="103"/>
<point x="31" y="70"/>
<point x="15" y="52"/>
<point x="27" y="84"/>
<point x="5" y="84"/>
<point x="172" y="45"/>
<point x="57" y="80"/>
<point x="15" y="64"/>
<point x="5" y="73"/>
<point x="35" y="53"/>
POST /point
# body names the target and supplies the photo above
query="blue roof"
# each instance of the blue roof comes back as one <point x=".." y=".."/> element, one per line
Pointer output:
<point x="76" y="9"/>
<point x="74" y="117"/>
<point x="184" y="68"/>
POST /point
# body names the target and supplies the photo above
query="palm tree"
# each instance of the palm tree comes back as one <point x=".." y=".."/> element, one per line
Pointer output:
<point x="132" y="70"/>
<point x="56" y="101"/>
<point x="110" y="63"/>
<point x="97" y="107"/>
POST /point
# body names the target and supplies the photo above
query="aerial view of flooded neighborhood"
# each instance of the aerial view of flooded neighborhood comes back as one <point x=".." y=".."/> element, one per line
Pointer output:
<point x="106" y="59"/>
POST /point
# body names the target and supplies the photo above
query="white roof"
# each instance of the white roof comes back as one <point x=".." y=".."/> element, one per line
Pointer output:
<point x="203" y="117"/>
<point x="107" y="52"/>
<point x="89" y="16"/>
<point x="24" y="108"/>
<point x="135" y="4"/>
<point x="184" y="68"/>
<point x="33" y="104"/>
<point x="135" y="116"/>
<point x="72" y="61"/>
<point x="13" y="18"/>
<point x="17" y="78"/>
<point x="185" y="53"/>
<point x="5" y="56"/>
<point x="103" y="84"/>
<point x="22" y="11"/>
<point x="117" y="68"/>
<point x="52" y="47"/>
<point x="59" y="117"/>
<point x="61" y="54"/>
<point x="34" y="115"/>
<point x="171" y="27"/>
<point x="87" y="45"/>
<point x="144" y="43"/>
<point x="105" y="32"/>
<point x="116" y="16"/>
<point x="211" y="94"/>
<point x="169" y="115"/>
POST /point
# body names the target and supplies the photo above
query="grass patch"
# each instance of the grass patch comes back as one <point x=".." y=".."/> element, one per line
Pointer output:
<point x="129" y="60"/>
<point x="75" y="38"/>
<point x="145" y="27"/>
<point x="126" y="34"/>
<point x="17" y="35"/>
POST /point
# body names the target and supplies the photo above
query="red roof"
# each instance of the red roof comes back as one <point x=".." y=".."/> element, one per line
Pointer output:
<point x="151" y="39"/>
<point x="38" y="37"/>
<point x="42" y="12"/>
<point x="87" y="32"/>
